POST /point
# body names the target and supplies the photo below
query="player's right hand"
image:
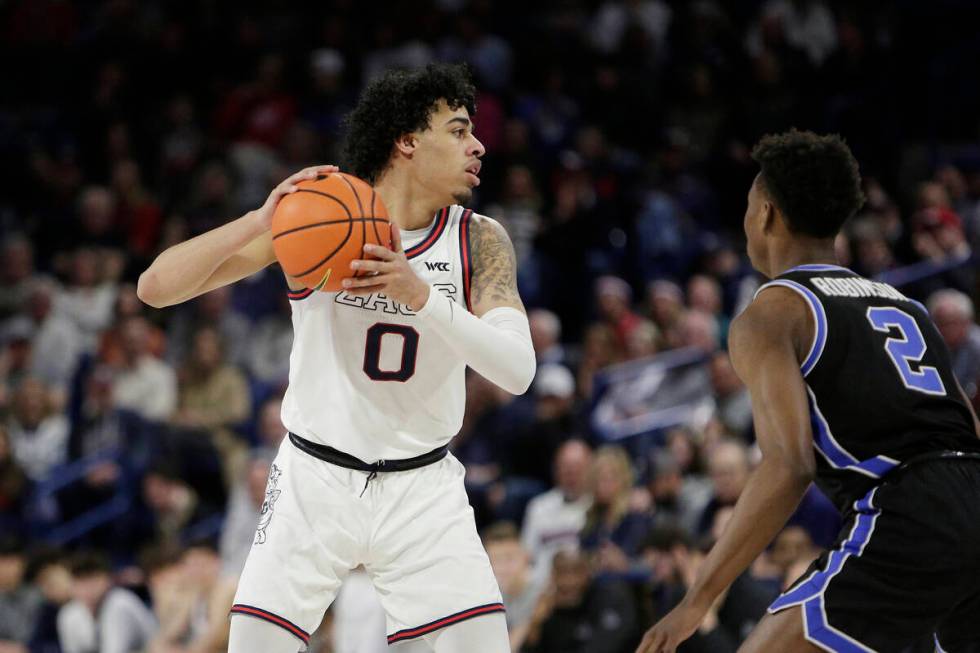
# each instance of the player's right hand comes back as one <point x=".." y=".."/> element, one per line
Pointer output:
<point x="264" y="213"/>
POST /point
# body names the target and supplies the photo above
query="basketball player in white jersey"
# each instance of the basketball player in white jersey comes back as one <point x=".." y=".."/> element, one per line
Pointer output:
<point x="376" y="385"/>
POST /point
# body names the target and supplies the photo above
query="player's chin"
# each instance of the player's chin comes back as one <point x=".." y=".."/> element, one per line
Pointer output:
<point x="463" y="195"/>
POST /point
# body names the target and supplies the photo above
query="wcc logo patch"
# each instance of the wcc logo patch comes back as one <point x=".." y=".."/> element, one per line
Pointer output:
<point x="441" y="266"/>
<point x="272" y="493"/>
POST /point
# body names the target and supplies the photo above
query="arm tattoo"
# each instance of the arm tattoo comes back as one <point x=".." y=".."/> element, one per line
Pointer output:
<point x="494" y="265"/>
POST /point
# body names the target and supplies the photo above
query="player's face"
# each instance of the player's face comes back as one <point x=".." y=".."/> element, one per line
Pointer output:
<point x="447" y="156"/>
<point x="754" y="217"/>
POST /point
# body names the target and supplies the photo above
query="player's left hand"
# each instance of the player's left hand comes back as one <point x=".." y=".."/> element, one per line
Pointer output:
<point x="389" y="274"/>
<point x="667" y="634"/>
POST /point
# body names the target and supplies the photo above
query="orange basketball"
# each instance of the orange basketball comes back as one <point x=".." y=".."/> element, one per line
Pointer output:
<point x="318" y="230"/>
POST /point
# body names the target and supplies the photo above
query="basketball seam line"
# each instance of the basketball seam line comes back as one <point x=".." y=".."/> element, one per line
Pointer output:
<point x="350" y="230"/>
<point x="360" y="207"/>
<point x="329" y="222"/>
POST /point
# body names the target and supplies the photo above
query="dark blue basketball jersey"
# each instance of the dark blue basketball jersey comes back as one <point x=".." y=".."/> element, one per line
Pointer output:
<point x="878" y="375"/>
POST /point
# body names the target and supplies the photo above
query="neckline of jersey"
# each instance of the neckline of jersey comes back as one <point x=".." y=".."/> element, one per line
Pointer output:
<point x="421" y="232"/>
<point x="817" y="267"/>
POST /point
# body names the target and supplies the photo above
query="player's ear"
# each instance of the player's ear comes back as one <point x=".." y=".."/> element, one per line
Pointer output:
<point x="406" y="144"/>
<point x="768" y="216"/>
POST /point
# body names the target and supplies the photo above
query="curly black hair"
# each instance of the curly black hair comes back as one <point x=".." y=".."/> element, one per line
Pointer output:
<point x="813" y="179"/>
<point x="401" y="102"/>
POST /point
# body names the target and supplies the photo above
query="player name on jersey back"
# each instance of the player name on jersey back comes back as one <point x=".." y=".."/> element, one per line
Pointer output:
<point x="856" y="287"/>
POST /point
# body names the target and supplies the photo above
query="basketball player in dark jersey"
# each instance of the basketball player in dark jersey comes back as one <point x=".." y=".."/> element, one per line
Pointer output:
<point x="851" y="387"/>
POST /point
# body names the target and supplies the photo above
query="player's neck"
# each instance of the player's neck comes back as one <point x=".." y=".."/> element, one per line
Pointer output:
<point x="801" y="252"/>
<point x="409" y="205"/>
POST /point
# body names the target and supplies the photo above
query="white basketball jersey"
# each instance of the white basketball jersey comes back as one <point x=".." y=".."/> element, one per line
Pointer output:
<point x="365" y="377"/>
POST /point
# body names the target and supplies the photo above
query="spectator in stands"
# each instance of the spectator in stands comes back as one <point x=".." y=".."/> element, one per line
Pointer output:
<point x="269" y="429"/>
<point x="15" y="357"/>
<point x="643" y="341"/>
<point x="665" y="304"/>
<point x="214" y="396"/>
<point x="242" y="514"/>
<point x="704" y="294"/>
<point x="48" y="572"/>
<point x="577" y="614"/>
<point x="519" y="587"/>
<point x="192" y="600"/>
<point x="728" y="466"/>
<point x="791" y="548"/>
<point x="100" y="616"/>
<point x="14" y="488"/>
<point x="96" y="226"/>
<point x="554" y="519"/>
<point x="533" y="446"/>
<point x="270" y="344"/>
<point x="143" y="384"/>
<point x="169" y="597"/>
<point x="700" y="330"/>
<point x="613" y="531"/>
<point x="214" y="310"/>
<point x="546" y="337"/>
<point x="598" y="351"/>
<point x="138" y="213"/>
<point x="110" y="341"/>
<point x="673" y="498"/>
<point x="733" y="407"/>
<point x="16" y="271"/>
<point x="20" y="603"/>
<point x="90" y="293"/>
<point x="173" y="505"/>
<point x="613" y="297"/>
<point x="38" y="435"/>
<point x="953" y="313"/>
<point x="56" y="343"/>
<point x="519" y="211"/>
<point x="98" y="426"/>
<point x="682" y="442"/>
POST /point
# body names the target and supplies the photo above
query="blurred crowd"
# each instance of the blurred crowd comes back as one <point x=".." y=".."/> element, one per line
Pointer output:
<point x="135" y="443"/>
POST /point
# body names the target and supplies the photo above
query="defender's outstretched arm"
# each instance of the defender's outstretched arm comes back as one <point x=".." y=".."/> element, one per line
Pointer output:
<point x="765" y="345"/>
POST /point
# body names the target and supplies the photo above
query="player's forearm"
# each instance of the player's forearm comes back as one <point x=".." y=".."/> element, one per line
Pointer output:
<point x="497" y="346"/>
<point x="180" y="270"/>
<point x="770" y="497"/>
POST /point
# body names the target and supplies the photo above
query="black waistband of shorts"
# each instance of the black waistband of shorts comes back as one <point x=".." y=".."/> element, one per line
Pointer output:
<point x="336" y="457"/>
<point x="931" y="456"/>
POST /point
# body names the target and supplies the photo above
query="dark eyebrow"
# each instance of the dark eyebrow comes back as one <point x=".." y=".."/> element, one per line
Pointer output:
<point x="463" y="121"/>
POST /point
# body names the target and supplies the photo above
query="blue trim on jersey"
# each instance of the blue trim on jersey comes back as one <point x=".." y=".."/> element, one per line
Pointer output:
<point x="809" y="593"/>
<point x="818" y="267"/>
<point x="819" y="320"/>
<point x="817" y="631"/>
<point x="835" y="454"/>
<point x="919" y="304"/>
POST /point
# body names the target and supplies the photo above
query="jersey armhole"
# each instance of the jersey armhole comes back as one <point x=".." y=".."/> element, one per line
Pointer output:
<point x="465" y="255"/>
<point x="819" y="320"/>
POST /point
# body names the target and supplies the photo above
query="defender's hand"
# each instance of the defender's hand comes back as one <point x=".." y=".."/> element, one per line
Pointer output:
<point x="263" y="214"/>
<point x="667" y="634"/>
<point x="391" y="275"/>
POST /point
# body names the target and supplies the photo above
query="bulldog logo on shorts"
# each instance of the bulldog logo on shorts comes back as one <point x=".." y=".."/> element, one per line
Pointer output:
<point x="271" y="495"/>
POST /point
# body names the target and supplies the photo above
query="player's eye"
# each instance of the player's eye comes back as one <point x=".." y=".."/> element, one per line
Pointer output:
<point x="459" y="132"/>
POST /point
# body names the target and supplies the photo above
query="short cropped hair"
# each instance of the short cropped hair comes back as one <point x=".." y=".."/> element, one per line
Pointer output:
<point x="812" y="179"/>
<point x="401" y="102"/>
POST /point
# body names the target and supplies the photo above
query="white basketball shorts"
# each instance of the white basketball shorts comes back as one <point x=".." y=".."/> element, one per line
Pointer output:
<point x="412" y="530"/>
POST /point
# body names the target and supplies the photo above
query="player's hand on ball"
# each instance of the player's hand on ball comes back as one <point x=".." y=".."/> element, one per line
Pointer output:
<point x="264" y="213"/>
<point x="389" y="274"/>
